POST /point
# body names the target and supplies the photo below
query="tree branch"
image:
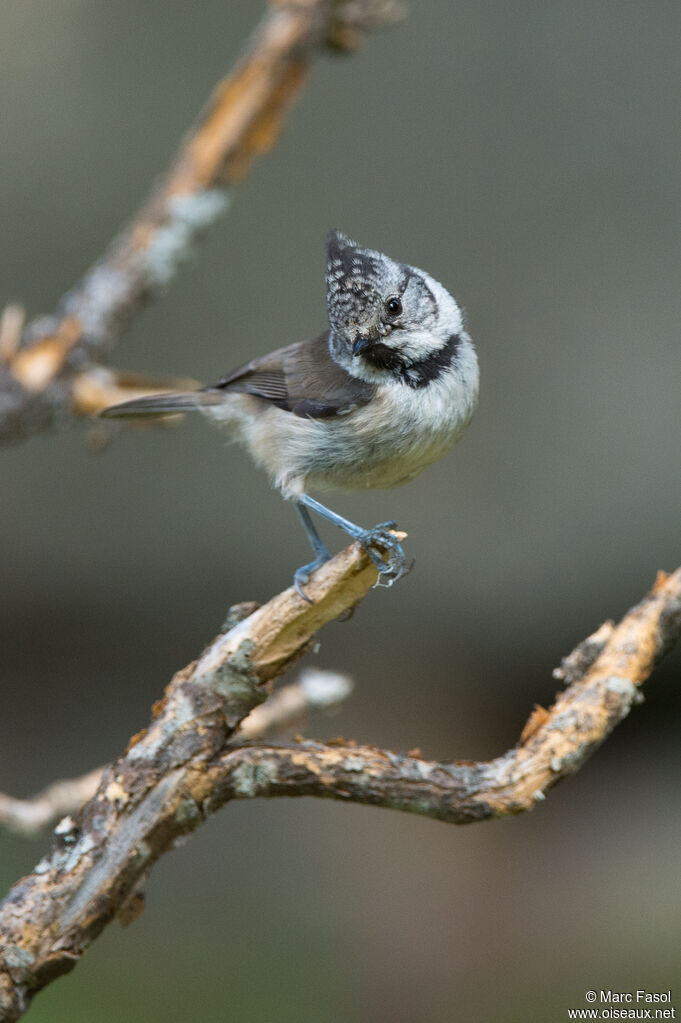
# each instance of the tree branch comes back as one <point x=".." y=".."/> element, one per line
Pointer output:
<point x="149" y="799"/>
<point x="191" y="760"/>
<point x="315" y="690"/>
<point x="45" y="378"/>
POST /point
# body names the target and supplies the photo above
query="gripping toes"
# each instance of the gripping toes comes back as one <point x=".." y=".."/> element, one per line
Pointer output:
<point x="302" y="576"/>
<point x="379" y="541"/>
<point x="382" y="546"/>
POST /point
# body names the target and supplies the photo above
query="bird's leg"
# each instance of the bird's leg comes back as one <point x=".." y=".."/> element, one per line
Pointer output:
<point x="374" y="541"/>
<point x="302" y="576"/>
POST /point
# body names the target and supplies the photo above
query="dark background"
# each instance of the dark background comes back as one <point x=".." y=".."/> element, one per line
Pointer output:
<point x="527" y="155"/>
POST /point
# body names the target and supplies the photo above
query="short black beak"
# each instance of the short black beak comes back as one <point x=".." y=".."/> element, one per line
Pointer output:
<point x="361" y="343"/>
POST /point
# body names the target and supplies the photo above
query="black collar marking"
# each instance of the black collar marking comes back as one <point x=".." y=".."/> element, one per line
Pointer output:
<point x="416" y="374"/>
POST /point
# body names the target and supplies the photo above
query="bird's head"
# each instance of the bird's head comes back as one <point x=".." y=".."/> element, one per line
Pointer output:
<point x="386" y="318"/>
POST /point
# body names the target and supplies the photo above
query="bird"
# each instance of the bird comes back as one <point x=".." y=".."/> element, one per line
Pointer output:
<point x="380" y="395"/>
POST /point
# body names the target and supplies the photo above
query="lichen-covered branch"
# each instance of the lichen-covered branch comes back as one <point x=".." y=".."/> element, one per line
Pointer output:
<point x="288" y="706"/>
<point x="192" y="760"/>
<point x="40" y="371"/>
<point x="152" y="795"/>
<point x="604" y="674"/>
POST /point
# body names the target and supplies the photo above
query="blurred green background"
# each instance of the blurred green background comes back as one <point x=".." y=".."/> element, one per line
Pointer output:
<point x="527" y="155"/>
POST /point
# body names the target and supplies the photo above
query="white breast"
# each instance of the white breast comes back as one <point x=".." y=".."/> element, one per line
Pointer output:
<point x="379" y="445"/>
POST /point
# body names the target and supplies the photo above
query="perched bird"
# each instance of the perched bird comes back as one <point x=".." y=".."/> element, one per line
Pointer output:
<point x="372" y="401"/>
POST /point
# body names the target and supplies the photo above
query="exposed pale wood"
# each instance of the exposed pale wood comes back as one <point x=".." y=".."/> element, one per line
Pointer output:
<point x="241" y="122"/>
<point x="192" y="760"/>
<point x="146" y="800"/>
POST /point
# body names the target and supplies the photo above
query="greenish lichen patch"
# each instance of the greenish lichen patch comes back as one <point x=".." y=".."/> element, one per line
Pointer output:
<point x="80" y="849"/>
<point x="17" y="958"/>
<point x="563" y="722"/>
<point x="242" y="659"/>
<point x="187" y="216"/>
<point x="143" y="851"/>
<point x="620" y="685"/>
<point x="416" y="770"/>
<point x="251" y="780"/>
<point x="188" y="813"/>
<point x="236" y="683"/>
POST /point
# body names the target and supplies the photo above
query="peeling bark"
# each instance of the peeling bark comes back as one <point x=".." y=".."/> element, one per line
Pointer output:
<point x="191" y="761"/>
<point x="155" y="793"/>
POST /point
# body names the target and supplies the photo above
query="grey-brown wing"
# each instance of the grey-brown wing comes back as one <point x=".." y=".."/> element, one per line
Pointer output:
<point x="301" y="378"/>
<point x="263" y="377"/>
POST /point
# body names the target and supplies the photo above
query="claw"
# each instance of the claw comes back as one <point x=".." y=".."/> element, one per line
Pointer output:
<point x="382" y="546"/>
<point x="375" y="542"/>
<point x="392" y="573"/>
<point x="302" y="575"/>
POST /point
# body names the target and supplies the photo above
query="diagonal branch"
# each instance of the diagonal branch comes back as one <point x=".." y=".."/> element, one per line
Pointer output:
<point x="192" y="760"/>
<point x="241" y="121"/>
<point x="286" y="707"/>
<point x="149" y="798"/>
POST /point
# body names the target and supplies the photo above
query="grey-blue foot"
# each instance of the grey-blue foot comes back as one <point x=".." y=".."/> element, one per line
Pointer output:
<point x="379" y="541"/>
<point x="302" y="576"/>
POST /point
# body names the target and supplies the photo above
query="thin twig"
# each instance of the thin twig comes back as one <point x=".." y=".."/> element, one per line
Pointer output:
<point x="315" y="690"/>
<point x="289" y="706"/>
<point x="241" y="121"/>
<point x="191" y="761"/>
<point x="31" y="816"/>
<point x="12" y="322"/>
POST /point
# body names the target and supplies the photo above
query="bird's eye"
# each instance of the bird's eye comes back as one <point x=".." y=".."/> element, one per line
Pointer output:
<point x="393" y="306"/>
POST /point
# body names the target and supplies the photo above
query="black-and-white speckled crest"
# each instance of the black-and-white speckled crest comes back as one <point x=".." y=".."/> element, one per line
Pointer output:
<point x="357" y="281"/>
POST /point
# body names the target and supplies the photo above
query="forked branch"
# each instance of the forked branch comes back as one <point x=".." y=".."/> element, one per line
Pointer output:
<point x="288" y="706"/>
<point x="192" y="760"/>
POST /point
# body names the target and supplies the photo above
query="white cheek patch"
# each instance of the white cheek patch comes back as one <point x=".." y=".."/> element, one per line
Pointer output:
<point x="416" y="345"/>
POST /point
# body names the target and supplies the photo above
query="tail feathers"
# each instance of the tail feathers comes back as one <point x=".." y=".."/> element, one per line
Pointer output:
<point x="162" y="404"/>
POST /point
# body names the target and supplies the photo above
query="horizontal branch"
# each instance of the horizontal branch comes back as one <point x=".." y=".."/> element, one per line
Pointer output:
<point x="603" y="675"/>
<point x="191" y="761"/>
<point x="242" y="121"/>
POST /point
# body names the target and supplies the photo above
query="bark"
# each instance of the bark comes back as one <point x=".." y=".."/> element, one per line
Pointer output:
<point x="192" y="760"/>
<point x="49" y="371"/>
